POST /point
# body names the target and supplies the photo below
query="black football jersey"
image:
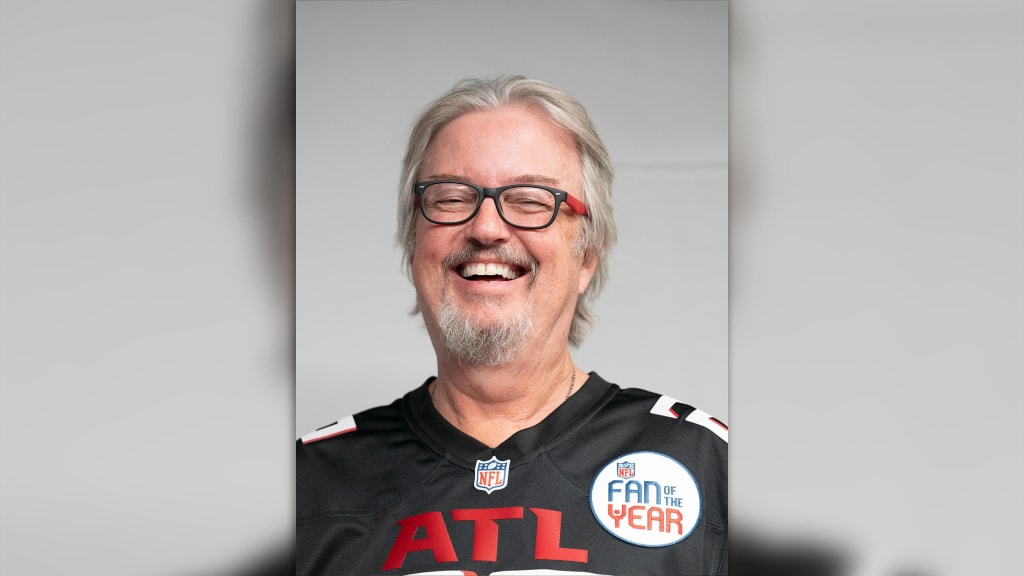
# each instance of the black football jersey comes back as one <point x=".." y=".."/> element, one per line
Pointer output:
<point x="613" y="482"/>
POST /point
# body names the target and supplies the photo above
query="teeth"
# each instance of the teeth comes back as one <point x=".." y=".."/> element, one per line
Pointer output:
<point x="489" y="269"/>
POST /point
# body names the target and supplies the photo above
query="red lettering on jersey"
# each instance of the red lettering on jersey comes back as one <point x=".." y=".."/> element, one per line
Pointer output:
<point x="436" y="540"/>
<point x="547" y="545"/>
<point x="485" y="529"/>
<point x="549" y="537"/>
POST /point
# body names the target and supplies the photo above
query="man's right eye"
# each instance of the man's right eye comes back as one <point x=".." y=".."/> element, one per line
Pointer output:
<point x="453" y="201"/>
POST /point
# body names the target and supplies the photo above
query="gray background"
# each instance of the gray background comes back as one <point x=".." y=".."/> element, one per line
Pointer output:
<point x="654" y="76"/>
<point x="876" y="284"/>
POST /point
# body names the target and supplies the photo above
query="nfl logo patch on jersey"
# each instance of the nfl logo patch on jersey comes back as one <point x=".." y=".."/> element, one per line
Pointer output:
<point x="491" y="474"/>
<point x="626" y="469"/>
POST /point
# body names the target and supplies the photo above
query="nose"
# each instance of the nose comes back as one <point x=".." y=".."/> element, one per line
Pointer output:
<point x="487" y="227"/>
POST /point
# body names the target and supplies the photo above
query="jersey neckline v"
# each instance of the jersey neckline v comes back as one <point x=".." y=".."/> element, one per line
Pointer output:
<point x="464" y="450"/>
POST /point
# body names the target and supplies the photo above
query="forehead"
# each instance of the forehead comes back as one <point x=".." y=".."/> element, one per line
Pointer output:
<point x="491" y="147"/>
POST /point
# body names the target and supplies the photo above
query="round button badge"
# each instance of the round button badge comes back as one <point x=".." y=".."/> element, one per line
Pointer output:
<point x="646" y="498"/>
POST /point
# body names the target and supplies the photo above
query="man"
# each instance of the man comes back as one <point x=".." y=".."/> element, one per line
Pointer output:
<point x="512" y="458"/>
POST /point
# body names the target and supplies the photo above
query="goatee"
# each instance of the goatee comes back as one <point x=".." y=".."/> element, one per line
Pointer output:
<point x="497" y="341"/>
<point x="472" y="342"/>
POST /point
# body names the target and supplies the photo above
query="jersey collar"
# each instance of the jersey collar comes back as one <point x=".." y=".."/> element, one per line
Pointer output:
<point x="452" y="443"/>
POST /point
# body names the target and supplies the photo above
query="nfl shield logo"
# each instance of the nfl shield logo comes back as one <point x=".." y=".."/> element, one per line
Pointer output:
<point x="491" y="474"/>
<point x="625" y="469"/>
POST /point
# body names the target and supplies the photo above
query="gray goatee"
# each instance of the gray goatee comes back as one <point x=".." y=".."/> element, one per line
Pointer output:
<point x="479" y="344"/>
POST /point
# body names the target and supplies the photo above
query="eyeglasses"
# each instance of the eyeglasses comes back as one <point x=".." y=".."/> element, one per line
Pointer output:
<point x="528" y="206"/>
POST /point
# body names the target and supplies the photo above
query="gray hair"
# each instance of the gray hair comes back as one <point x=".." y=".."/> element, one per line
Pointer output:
<point x="597" y="233"/>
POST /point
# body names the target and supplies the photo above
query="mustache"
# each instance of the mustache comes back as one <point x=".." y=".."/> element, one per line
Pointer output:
<point x="501" y="253"/>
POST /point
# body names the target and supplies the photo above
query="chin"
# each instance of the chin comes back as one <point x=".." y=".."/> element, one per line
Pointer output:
<point x="483" y="341"/>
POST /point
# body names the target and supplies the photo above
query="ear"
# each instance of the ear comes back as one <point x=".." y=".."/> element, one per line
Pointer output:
<point x="587" y="269"/>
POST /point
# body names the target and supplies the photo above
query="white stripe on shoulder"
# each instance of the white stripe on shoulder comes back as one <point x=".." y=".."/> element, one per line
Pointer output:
<point x="343" y="425"/>
<point x="710" y="422"/>
<point x="663" y="407"/>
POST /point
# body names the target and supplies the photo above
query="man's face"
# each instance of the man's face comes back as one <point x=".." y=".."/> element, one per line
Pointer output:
<point x="511" y="145"/>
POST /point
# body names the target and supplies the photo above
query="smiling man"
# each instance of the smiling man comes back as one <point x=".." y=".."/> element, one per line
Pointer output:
<point x="512" y="458"/>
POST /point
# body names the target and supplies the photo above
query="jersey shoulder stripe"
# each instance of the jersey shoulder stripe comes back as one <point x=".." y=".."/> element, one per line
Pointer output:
<point x="670" y="407"/>
<point x="342" y="426"/>
<point x="710" y="422"/>
<point x="663" y="407"/>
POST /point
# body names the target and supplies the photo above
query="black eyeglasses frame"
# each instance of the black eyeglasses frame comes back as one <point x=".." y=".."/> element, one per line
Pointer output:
<point x="561" y="196"/>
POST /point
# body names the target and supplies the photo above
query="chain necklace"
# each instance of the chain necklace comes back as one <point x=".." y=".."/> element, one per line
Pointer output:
<point x="572" y="385"/>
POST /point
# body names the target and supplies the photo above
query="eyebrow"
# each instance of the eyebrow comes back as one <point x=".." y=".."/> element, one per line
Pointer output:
<point x="520" y="179"/>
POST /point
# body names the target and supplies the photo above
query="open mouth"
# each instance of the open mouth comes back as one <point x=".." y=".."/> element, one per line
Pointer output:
<point x="489" y="272"/>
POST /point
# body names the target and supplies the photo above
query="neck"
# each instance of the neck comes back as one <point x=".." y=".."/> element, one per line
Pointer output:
<point x="491" y="403"/>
